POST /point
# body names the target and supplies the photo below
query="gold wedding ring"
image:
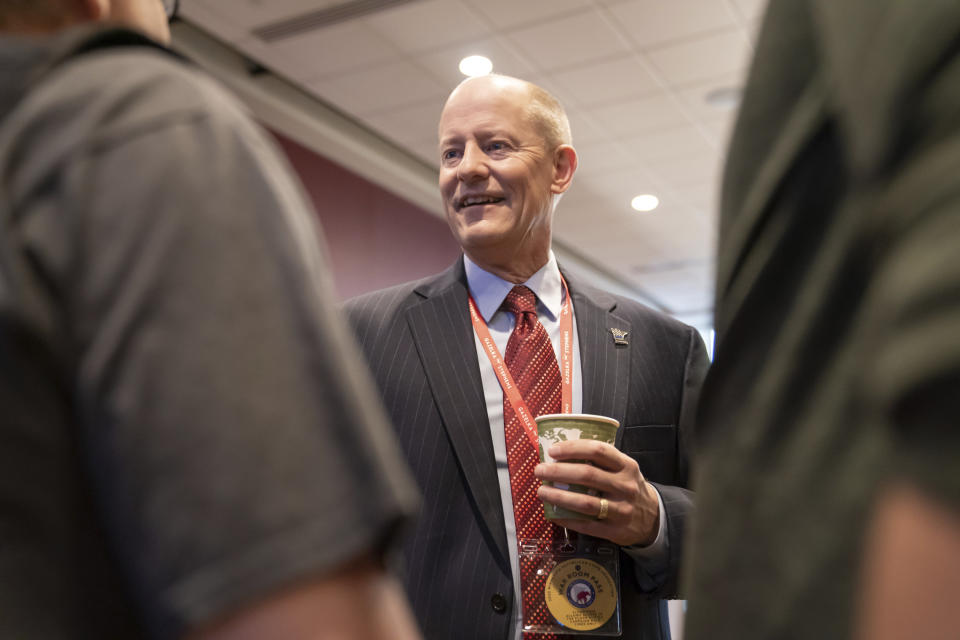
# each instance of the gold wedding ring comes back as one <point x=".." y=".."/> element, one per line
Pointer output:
<point x="604" y="508"/>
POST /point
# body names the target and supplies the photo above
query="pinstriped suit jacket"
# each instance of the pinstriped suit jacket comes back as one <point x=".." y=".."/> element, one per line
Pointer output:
<point x="419" y="343"/>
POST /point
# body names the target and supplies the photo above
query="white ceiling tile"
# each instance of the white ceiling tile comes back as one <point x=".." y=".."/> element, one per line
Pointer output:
<point x="416" y="122"/>
<point x="619" y="242"/>
<point x="584" y="126"/>
<point x="682" y="292"/>
<point x="671" y="265"/>
<point x="720" y="130"/>
<point x="583" y="204"/>
<point x="572" y="40"/>
<point x="511" y="13"/>
<point x="684" y="241"/>
<point x="579" y="198"/>
<point x="650" y="22"/>
<point x="335" y="49"/>
<point x="601" y="230"/>
<point x="427" y="24"/>
<point x="622" y="184"/>
<point x="676" y="268"/>
<point x="250" y="14"/>
<point x="682" y="171"/>
<point x="545" y="81"/>
<point x="574" y="216"/>
<point x="670" y="143"/>
<point x="751" y="9"/>
<point x="705" y="57"/>
<point x="704" y="198"/>
<point x="642" y="114"/>
<point x="615" y="79"/>
<point x="690" y="251"/>
<point x="694" y="96"/>
<point x="599" y="157"/>
<point x="386" y="86"/>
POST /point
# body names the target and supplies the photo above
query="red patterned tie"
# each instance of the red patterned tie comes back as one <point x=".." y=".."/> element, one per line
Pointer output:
<point x="533" y="364"/>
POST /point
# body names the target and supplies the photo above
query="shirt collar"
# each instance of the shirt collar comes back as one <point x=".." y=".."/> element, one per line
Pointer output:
<point x="489" y="291"/>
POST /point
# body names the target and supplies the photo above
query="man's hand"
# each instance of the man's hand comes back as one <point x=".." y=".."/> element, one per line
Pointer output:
<point x="633" y="516"/>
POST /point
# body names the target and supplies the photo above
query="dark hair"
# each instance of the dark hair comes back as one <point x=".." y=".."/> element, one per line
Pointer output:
<point x="40" y="12"/>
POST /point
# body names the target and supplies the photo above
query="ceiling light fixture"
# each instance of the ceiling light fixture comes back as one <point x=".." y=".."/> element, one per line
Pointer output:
<point x="645" y="202"/>
<point x="474" y="66"/>
<point x="725" y="98"/>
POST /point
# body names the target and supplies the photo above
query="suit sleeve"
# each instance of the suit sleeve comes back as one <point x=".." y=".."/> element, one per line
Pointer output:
<point x="659" y="577"/>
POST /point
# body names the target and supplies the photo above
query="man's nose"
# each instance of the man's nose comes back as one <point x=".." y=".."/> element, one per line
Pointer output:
<point x="473" y="165"/>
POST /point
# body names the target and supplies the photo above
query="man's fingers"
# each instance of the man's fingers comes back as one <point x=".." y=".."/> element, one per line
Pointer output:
<point x="599" y="453"/>
<point x="579" y="473"/>
<point x="579" y="502"/>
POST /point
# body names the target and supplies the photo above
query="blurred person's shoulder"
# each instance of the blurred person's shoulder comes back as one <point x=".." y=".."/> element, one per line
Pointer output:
<point x="134" y="80"/>
<point x="95" y="89"/>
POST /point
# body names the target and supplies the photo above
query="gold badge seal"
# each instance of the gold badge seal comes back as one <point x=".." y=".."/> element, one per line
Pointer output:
<point x="580" y="594"/>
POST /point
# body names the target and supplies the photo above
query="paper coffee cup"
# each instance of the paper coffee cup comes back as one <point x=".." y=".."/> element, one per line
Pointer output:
<point x="557" y="427"/>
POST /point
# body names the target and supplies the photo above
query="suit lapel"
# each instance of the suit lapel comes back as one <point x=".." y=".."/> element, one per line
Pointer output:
<point x="604" y="365"/>
<point x="443" y="335"/>
<point x="742" y="232"/>
<point x="787" y="109"/>
<point x="783" y="109"/>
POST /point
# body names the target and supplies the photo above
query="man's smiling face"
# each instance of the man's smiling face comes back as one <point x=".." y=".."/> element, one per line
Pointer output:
<point x="496" y="174"/>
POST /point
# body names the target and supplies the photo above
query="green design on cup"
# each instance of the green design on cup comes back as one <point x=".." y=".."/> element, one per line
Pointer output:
<point x="553" y="428"/>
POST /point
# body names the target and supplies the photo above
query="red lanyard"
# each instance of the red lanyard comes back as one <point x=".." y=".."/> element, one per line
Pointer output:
<point x="506" y="380"/>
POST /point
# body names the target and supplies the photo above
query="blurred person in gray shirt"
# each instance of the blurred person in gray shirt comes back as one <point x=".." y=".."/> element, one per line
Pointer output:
<point x="188" y="444"/>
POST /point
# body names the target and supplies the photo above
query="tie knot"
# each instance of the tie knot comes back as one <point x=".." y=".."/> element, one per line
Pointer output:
<point x="520" y="299"/>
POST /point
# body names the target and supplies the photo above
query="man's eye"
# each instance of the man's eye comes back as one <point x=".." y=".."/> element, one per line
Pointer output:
<point x="449" y="154"/>
<point x="496" y="146"/>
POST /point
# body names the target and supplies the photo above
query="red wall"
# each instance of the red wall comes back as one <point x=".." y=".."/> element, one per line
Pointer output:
<point x="374" y="238"/>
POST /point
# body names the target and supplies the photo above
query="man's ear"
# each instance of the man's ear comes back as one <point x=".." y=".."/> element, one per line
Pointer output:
<point x="564" y="166"/>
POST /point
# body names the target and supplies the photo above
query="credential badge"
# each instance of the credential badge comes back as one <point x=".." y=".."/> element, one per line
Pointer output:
<point x="581" y="594"/>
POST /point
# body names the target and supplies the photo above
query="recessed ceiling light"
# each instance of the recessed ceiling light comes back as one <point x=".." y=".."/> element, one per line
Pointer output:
<point x="726" y="98"/>
<point x="645" y="202"/>
<point x="475" y="66"/>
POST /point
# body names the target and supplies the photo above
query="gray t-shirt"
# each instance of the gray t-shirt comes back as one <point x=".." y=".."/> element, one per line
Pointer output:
<point x="185" y="424"/>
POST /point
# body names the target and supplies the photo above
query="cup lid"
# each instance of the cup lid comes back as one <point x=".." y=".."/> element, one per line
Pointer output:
<point x="578" y="416"/>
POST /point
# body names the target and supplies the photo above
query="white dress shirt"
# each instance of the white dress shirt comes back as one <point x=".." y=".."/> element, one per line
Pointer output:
<point x="489" y="292"/>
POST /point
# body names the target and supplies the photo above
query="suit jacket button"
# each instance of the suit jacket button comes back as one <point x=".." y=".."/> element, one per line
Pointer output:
<point x="498" y="602"/>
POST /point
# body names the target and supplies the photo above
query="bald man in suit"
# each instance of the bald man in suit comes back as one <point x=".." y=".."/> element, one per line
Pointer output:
<point x="506" y="158"/>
